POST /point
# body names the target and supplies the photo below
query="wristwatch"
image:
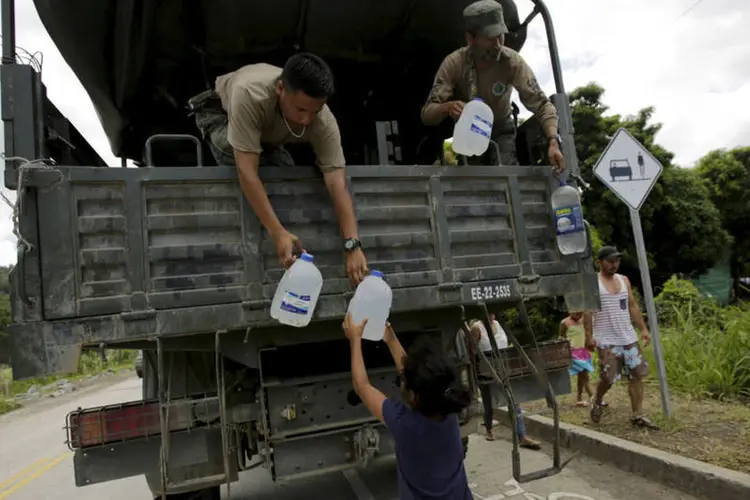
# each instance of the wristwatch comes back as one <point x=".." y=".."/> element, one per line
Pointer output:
<point x="351" y="244"/>
<point x="557" y="138"/>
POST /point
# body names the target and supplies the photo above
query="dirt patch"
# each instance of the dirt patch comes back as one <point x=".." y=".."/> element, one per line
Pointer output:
<point x="717" y="432"/>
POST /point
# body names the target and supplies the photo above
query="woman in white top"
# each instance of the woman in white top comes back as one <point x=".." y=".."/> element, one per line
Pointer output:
<point x="481" y="340"/>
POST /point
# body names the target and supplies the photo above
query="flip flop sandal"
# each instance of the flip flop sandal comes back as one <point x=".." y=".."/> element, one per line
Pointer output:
<point x="530" y="445"/>
<point x="489" y="437"/>
<point x="644" y="422"/>
<point x="582" y="404"/>
<point x="596" y="413"/>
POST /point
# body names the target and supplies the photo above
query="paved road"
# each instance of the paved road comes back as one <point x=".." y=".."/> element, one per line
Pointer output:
<point x="35" y="464"/>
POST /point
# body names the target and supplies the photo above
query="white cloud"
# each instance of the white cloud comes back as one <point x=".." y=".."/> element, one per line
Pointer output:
<point x="693" y="68"/>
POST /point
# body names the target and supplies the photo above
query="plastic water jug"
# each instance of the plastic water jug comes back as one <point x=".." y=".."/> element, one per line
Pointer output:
<point x="372" y="300"/>
<point x="471" y="135"/>
<point x="297" y="294"/>
<point x="566" y="206"/>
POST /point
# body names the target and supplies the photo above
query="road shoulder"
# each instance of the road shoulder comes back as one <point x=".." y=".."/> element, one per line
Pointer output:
<point x="697" y="478"/>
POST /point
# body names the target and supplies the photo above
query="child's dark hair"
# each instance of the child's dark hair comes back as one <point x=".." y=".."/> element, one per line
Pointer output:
<point x="432" y="377"/>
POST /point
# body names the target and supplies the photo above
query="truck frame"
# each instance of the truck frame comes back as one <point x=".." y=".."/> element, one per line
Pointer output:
<point x="172" y="261"/>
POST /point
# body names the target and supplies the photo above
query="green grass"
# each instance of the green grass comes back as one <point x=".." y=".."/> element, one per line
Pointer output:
<point x="91" y="363"/>
<point x="707" y="361"/>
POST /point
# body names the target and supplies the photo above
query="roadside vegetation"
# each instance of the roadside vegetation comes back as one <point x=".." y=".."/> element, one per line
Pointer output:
<point x="707" y="360"/>
<point x="14" y="393"/>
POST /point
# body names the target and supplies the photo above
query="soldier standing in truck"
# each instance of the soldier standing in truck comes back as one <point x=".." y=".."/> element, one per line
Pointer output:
<point x="252" y="113"/>
<point x="487" y="69"/>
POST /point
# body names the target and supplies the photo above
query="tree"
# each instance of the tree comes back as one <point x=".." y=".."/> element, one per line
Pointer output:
<point x="681" y="225"/>
<point x="726" y="175"/>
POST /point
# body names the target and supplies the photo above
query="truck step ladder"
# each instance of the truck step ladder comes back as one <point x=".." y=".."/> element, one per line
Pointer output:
<point x="165" y="402"/>
<point x="500" y="374"/>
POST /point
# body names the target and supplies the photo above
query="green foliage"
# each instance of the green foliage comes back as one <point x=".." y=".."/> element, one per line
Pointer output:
<point x="706" y="347"/>
<point x="727" y="177"/>
<point x="706" y="360"/>
<point x="681" y="227"/>
<point x="544" y="316"/>
<point x="7" y="405"/>
<point x="596" y="241"/>
<point x="91" y="363"/>
<point x="679" y="298"/>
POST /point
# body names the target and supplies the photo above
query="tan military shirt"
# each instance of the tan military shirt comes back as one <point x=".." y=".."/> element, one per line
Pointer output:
<point x="494" y="86"/>
<point x="248" y="95"/>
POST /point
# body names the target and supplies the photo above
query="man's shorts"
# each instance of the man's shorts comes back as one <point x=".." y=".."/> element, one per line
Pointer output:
<point x="615" y="361"/>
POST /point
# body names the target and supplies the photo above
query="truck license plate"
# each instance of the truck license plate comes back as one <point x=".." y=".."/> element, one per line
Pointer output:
<point x="489" y="292"/>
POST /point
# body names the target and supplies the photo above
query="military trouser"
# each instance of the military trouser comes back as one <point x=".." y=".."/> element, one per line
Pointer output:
<point x="504" y="134"/>
<point x="213" y="124"/>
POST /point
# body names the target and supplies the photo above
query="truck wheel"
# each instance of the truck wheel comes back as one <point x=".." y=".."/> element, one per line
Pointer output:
<point x="213" y="493"/>
<point x="465" y="443"/>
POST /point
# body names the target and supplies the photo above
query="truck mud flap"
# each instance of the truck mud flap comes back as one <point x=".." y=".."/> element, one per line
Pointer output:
<point x="197" y="454"/>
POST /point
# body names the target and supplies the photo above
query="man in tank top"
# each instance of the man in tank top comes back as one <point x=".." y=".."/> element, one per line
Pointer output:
<point x="486" y="68"/>
<point x="610" y="330"/>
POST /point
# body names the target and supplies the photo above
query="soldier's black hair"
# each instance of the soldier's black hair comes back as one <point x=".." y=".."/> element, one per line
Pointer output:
<point x="308" y="73"/>
<point x="433" y="378"/>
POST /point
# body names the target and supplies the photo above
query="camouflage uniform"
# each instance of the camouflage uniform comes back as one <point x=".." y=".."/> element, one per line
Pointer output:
<point x="213" y="123"/>
<point x="459" y="78"/>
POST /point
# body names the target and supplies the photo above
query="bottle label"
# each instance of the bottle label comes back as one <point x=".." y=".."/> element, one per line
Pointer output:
<point x="479" y="130"/>
<point x="294" y="303"/>
<point x="569" y="220"/>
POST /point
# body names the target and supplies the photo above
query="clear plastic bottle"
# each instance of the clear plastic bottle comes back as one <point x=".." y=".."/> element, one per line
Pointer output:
<point x="566" y="206"/>
<point x="297" y="293"/>
<point x="372" y="300"/>
<point x="471" y="134"/>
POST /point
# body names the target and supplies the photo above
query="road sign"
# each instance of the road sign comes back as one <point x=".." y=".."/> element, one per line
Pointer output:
<point x="628" y="169"/>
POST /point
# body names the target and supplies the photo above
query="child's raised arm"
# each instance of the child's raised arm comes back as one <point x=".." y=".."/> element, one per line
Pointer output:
<point x="397" y="350"/>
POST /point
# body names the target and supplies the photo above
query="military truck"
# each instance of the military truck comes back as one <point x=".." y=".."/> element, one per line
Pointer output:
<point x="168" y="258"/>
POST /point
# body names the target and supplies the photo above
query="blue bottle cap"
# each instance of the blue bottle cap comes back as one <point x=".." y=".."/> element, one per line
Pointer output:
<point x="377" y="274"/>
<point x="307" y="257"/>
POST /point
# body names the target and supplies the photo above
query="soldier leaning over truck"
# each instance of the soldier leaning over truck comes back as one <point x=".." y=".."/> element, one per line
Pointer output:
<point x="485" y="68"/>
<point x="253" y="112"/>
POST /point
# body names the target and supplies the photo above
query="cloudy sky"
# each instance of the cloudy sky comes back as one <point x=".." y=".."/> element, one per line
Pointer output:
<point x="689" y="58"/>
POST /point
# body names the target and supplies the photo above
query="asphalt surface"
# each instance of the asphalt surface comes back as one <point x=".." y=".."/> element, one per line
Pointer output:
<point x="36" y="464"/>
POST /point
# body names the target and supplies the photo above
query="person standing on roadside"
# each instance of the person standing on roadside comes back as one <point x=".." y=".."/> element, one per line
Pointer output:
<point x="610" y="330"/>
<point x="571" y="328"/>
<point x="481" y="340"/>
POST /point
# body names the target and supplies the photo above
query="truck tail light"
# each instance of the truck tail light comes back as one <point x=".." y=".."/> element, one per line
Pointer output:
<point x="104" y="425"/>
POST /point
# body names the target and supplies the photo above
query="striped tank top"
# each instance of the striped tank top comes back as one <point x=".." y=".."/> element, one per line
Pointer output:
<point x="612" y="325"/>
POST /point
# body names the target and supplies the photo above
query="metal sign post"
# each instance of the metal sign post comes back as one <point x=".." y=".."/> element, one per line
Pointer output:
<point x="653" y="322"/>
<point x="630" y="171"/>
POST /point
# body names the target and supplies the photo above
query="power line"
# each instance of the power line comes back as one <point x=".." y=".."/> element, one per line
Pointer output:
<point x="697" y="3"/>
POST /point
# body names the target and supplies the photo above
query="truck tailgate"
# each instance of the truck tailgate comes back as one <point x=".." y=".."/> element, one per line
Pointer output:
<point x="127" y="240"/>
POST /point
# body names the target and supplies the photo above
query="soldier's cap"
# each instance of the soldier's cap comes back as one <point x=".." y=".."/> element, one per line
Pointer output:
<point x="608" y="253"/>
<point x="485" y="18"/>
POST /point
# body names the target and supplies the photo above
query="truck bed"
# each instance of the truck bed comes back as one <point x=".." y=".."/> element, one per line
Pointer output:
<point x="138" y="253"/>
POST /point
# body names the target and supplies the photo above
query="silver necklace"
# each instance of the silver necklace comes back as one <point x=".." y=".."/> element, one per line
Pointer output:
<point x="292" y="131"/>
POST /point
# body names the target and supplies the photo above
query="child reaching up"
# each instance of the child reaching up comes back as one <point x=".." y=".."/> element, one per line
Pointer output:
<point x="424" y="422"/>
<point x="571" y="328"/>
